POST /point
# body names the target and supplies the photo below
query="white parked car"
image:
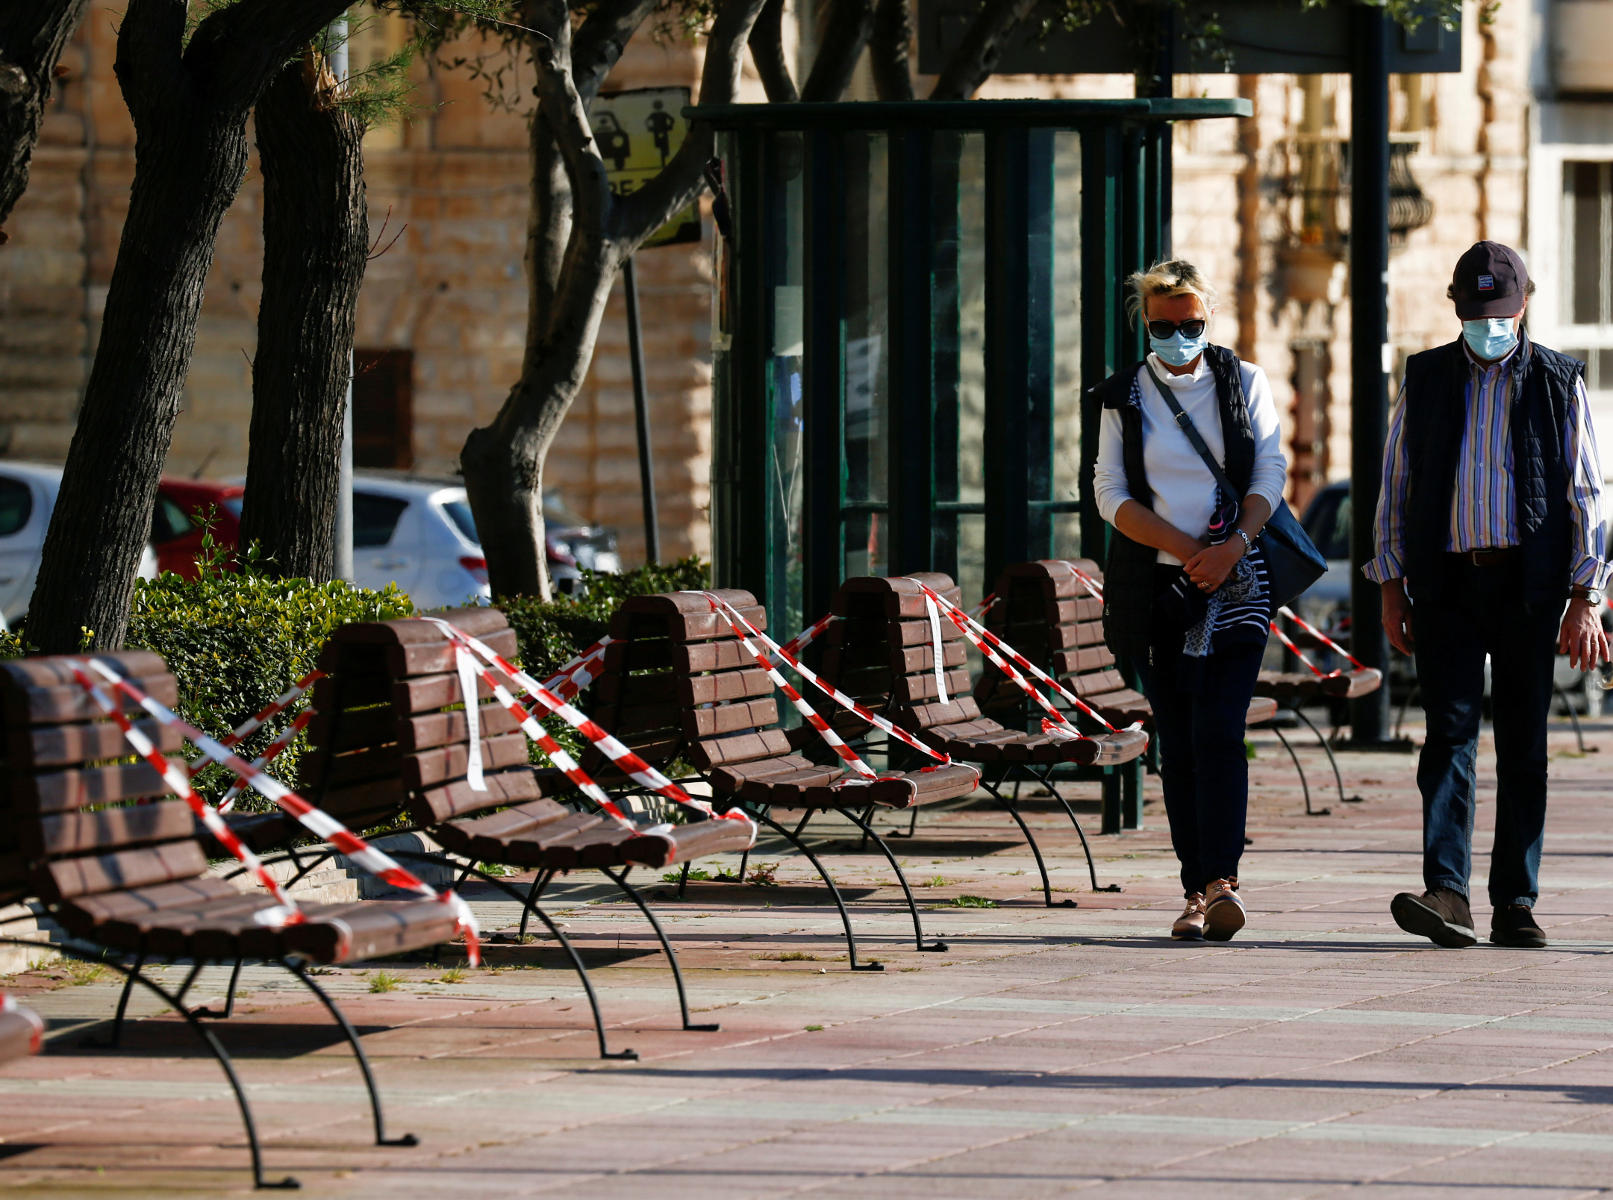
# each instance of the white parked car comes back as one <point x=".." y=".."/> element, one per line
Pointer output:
<point x="420" y="535"/>
<point x="27" y="496"/>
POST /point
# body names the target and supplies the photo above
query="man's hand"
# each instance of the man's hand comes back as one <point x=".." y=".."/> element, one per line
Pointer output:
<point x="1582" y="637"/>
<point x="1397" y="616"/>
<point x="1208" y="569"/>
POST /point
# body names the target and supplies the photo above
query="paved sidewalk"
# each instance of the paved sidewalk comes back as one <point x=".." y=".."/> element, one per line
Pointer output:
<point x="1045" y="1052"/>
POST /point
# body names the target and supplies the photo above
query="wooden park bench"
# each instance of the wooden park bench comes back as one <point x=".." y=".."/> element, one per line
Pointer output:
<point x="1046" y="610"/>
<point x="680" y="686"/>
<point x="389" y="741"/>
<point x="113" y="858"/>
<point x="883" y="650"/>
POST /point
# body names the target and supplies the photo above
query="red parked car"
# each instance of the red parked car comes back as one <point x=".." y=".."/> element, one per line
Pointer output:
<point x="177" y="539"/>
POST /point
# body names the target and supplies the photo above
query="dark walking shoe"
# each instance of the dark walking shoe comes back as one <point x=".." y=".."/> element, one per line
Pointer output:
<point x="1440" y="915"/>
<point x="1223" y="910"/>
<point x="1514" y="925"/>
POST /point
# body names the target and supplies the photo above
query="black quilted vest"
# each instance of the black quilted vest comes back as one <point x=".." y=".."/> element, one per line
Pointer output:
<point x="1129" y="583"/>
<point x="1436" y="413"/>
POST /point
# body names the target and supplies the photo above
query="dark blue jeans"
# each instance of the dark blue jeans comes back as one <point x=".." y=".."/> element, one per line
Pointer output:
<point x="1199" y="719"/>
<point x="1465" y="614"/>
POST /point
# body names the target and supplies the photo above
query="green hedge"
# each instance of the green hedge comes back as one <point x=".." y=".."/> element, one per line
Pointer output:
<point x="237" y="639"/>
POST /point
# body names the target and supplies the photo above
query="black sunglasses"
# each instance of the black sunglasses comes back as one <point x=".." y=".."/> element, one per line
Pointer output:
<point x="1164" y="329"/>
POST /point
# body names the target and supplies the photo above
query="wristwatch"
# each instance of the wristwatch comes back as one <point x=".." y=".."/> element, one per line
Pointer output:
<point x="1591" y="596"/>
<point x="1248" y="546"/>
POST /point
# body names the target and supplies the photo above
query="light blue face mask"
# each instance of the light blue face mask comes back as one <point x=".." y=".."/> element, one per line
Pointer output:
<point x="1179" y="349"/>
<point x="1490" y="337"/>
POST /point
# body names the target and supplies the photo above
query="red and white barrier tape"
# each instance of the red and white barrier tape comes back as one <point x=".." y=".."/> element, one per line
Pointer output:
<point x="936" y="656"/>
<point x="9" y="1004"/>
<point x="577" y="674"/>
<point x="270" y="752"/>
<point x="277" y="706"/>
<point x="736" y="621"/>
<point x="865" y="773"/>
<point x="1093" y="587"/>
<point x="177" y="780"/>
<point x="1297" y="652"/>
<point x="984" y="607"/>
<point x="1321" y="637"/>
<point x="1057" y="723"/>
<point x="624" y="759"/>
<point x="317" y="821"/>
<point x="808" y="635"/>
<point x="979" y="631"/>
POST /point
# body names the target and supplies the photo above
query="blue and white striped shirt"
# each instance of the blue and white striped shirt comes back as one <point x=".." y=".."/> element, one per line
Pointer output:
<point x="1484" y="507"/>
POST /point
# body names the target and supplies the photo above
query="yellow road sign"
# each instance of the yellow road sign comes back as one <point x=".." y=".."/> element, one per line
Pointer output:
<point x="638" y="132"/>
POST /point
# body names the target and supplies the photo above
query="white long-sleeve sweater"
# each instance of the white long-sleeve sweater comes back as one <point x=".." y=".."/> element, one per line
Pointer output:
<point x="1184" y="489"/>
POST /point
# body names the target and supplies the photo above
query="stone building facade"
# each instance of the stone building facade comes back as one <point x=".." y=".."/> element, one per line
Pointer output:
<point x="1501" y="150"/>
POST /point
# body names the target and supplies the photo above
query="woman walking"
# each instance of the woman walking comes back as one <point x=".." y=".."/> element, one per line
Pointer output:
<point x="1186" y="600"/>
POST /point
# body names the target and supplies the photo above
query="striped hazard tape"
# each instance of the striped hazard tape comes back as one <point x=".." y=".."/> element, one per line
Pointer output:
<point x="743" y="629"/>
<point x="984" y="638"/>
<point x="8" y="1003"/>
<point x="321" y="823"/>
<point x="625" y="760"/>
<point x="865" y="774"/>
<point x="1323" y="638"/>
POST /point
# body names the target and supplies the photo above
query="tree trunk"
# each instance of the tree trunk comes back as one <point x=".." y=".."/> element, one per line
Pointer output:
<point x="32" y="38"/>
<point x="503" y="462"/>
<point x="315" y="246"/>
<point x="189" y="100"/>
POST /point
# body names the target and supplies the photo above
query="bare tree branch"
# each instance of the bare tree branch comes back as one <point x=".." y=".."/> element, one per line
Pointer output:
<point x="976" y="56"/>
<point x="680" y="181"/>
<point x="767" y="52"/>
<point x="602" y="38"/>
<point x="888" y="50"/>
<point x="562" y="108"/>
<point x="839" y="49"/>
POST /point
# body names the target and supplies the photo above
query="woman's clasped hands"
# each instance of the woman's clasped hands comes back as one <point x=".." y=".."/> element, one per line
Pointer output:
<point x="1209" y="568"/>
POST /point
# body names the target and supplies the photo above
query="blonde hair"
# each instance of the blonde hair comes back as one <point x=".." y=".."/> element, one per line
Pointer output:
<point x="1178" y="277"/>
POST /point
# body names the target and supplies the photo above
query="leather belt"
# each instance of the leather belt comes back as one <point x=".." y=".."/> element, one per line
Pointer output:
<point x="1497" y="556"/>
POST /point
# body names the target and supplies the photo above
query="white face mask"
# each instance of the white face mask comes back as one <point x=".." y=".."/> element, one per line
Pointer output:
<point x="1491" y="337"/>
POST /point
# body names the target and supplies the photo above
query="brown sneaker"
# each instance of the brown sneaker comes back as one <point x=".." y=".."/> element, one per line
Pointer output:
<point x="1189" y="927"/>
<point x="1439" y="914"/>
<point x="1224" y="913"/>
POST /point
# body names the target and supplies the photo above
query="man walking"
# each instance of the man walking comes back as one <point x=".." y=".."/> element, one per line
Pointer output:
<point x="1490" y="518"/>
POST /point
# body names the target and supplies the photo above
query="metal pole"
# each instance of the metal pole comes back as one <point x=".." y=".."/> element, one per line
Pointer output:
<point x="641" y="416"/>
<point x="1369" y="345"/>
<point x="343" y="534"/>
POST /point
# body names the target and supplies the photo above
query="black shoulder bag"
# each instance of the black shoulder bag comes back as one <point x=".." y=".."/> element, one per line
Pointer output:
<point x="1292" y="561"/>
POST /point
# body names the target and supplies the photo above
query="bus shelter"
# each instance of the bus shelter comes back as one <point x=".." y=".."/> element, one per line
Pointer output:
<point x="910" y="302"/>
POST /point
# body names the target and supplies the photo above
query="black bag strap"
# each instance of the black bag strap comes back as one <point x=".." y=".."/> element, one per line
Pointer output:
<point x="1185" y="424"/>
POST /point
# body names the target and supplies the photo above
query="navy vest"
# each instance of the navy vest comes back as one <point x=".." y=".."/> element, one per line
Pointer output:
<point x="1128" y="577"/>
<point x="1436" y="413"/>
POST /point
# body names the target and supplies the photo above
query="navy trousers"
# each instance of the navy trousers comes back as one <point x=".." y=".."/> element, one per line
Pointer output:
<point x="1468" y="613"/>
<point x="1199" y="721"/>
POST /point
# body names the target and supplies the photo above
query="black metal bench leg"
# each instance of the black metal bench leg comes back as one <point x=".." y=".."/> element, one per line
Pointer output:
<point x="1086" y="847"/>
<point x="229" y="997"/>
<point x="995" y="792"/>
<point x="1309" y="811"/>
<point x="901" y="878"/>
<point x="529" y="905"/>
<point x="530" y="908"/>
<point x="834" y="892"/>
<point x="620" y="879"/>
<point x="254" y="1147"/>
<point x="1321" y="738"/>
<point x="1573" y="717"/>
<point x="115" y="1038"/>
<point x="300" y="970"/>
